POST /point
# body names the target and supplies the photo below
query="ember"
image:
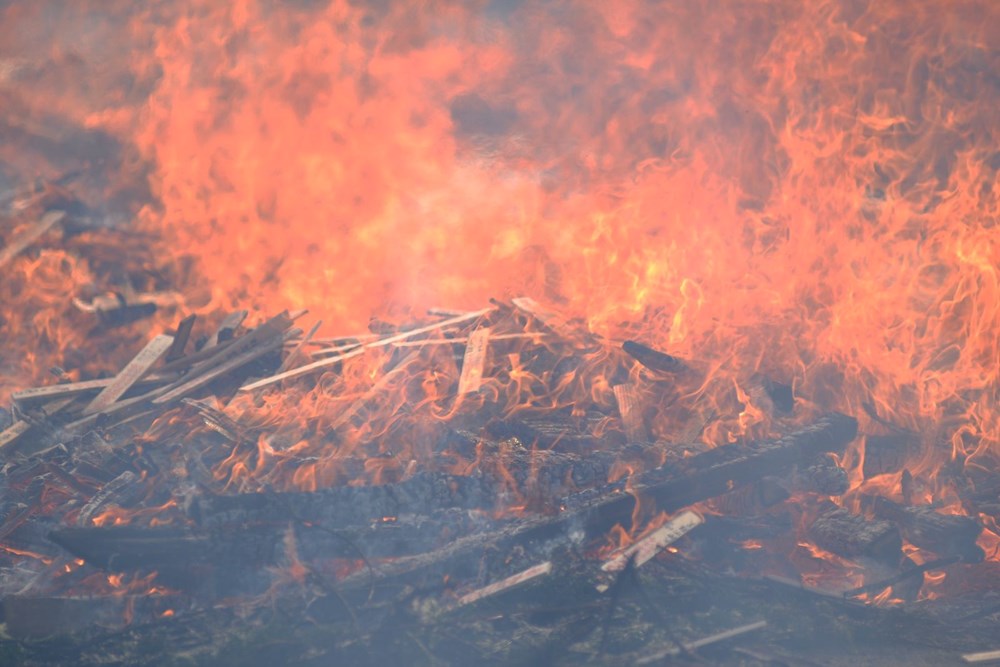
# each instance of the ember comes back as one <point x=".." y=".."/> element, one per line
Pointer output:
<point x="620" y="321"/>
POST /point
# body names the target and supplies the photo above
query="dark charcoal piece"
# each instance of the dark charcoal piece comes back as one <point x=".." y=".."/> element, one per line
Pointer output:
<point x="944" y="534"/>
<point x="886" y="454"/>
<point x="652" y="359"/>
<point x="853" y="536"/>
<point x="822" y="476"/>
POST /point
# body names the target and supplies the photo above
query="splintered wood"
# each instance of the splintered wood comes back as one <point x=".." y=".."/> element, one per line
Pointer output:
<point x="646" y="548"/>
<point x="473" y="362"/>
<point x="131" y="374"/>
<point x="13" y="432"/>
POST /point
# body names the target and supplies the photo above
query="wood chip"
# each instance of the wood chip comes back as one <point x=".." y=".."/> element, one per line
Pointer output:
<point x="131" y="374"/>
<point x="18" y="244"/>
<point x="323" y="363"/>
<point x="473" y="362"/>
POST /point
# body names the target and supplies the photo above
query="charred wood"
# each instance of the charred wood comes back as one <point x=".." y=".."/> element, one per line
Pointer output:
<point x="886" y="453"/>
<point x="853" y="536"/>
<point x="652" y="359"/>
<point x="944" y="534"/>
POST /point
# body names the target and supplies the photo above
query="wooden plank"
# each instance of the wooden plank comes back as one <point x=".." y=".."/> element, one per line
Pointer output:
<point x="510" y="582"/>
<point x="629" y="407"/>
<point x="75" y="389"/>
<point x="457" y="340"/>
<point x="34" y="232"/>
<point x="323" y="363"/>
<point x="297" y="350"/>
<point x="181" y="338"/>
<point x="13" y="432"/>
<point x="183" y="389"/>
<point x="132" y="373"/>
<point x="646" y="548"/>
<point x="473" y="362"/>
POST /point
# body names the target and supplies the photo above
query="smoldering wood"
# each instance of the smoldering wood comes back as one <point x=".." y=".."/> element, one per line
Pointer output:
<point x="110" y="490"/>
<point x="854" y="536"/>
<point x="381" y="342"/>
<point x="908" y="573"/>
<point x="944" y="534"/>
<point x="39" y="617"/>
<point x="590" y="514"/>
<point x="653" y="359"/>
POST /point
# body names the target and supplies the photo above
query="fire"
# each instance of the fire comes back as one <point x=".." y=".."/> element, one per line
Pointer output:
<point x="806" y="192"/>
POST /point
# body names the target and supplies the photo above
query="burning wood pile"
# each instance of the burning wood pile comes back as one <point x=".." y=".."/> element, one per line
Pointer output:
<point x="639" y="333"/>
<point x="411" y="475"/>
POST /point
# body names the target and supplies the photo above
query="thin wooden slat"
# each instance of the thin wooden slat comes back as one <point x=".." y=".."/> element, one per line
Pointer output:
<point x="510" y="582"/>
<point x="13" y="432"/>
<point x="465" y="339"/>
<point x="131" y="374"/>
<point x="323" y="363"/>
<point x="472" y="364"/>
<point x="297" y="350"/>
<point x="29" y="236"/>
<point x="233" y="363"/>
<point x="646" y="548"/>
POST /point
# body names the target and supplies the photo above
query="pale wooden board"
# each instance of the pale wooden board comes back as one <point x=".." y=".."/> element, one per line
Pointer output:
<point x="29" y="236"/>
<point x="644" y="549"/>
<point x="472" y="364"/>
<point x="13" y="432"/>
<point x="533" y="572"/>
<point x="323" y="363"/>
<point x="131" y="374"/>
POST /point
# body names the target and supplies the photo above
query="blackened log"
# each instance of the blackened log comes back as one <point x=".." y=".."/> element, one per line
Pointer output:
<point x="590" y="515"/>
<point x="652" y="359"/>
<point x="944" y="534"/>
<point x="854" y="536"/>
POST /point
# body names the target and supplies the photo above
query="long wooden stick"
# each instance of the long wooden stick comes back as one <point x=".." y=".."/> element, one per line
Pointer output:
<point x="29" y="236"/>
<point x="323" y="363"/>
<point x="131" y="374"/>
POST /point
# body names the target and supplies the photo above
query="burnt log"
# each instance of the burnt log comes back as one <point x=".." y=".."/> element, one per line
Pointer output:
<point x="854" y="536"/>
<point x="652" y="359"/>
<point x="589" y="515"/>
<point x="944" y="534"/>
